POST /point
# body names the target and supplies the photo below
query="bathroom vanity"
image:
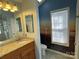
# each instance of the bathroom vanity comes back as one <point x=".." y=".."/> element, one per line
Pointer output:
<point x="23" y="49"/>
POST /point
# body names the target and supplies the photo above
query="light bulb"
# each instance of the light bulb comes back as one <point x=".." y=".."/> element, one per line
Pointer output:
<point x="15" y="8"/>
<point x="5" y="9"/>
<point x="0" y="4"/>
<point x="12" y="10"/>
<point x="8" y="6"/>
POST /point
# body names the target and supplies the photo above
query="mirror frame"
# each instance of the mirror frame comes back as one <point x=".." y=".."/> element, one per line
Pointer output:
<point x="29" y="23"/>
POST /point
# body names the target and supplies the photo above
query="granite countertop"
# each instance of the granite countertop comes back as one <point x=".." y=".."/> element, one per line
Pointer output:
<point x="9" y="47"/>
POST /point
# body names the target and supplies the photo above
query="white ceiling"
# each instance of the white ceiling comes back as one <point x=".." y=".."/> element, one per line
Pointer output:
<point x="24" y="4"/>
<point x="17" y="1"/>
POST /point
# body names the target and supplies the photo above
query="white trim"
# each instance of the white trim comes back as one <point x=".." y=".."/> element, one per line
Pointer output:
<point x="66" y="8"/>
<point x="63" y="54"/>
<point x="62" y="44"/>
<point x="77" y="39"/>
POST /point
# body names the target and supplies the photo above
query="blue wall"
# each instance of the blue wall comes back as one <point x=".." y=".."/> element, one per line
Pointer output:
<point x="50" y="5"/>
<point x="45" y="22"/>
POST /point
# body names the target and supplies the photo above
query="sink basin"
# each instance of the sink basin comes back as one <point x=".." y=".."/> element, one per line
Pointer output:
<point x="21" y="42"/>
<point x="1" y="42"/>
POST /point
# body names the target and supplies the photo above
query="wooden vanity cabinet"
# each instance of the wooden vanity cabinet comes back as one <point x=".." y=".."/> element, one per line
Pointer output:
<point x="25" y="52"/>
<point x="12" y="55"/>
<point x="28" y="55"/>
<point x="28" y="51"/>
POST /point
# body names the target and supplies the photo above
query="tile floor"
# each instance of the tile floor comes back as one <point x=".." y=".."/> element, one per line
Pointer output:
<point x="52" y="55"/>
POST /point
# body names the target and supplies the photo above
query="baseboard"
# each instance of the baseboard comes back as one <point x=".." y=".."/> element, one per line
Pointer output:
<point x="63" y="54"/>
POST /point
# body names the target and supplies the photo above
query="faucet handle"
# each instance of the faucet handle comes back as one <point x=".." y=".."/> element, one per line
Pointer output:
<point x="25" y="35"/>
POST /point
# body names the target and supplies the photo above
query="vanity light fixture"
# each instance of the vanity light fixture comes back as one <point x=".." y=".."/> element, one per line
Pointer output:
<point x="6" y="6"/>
<point x="14" y="8"/>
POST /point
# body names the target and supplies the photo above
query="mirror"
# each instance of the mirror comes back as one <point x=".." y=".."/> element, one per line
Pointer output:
<point x="9" y="25"/>
<point x="29" y="23"/>
<point x="18" y="23"/>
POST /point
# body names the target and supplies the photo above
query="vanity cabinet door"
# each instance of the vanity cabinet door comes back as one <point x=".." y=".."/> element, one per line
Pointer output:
<point x="12" y="55"/>
<point x="28" y="51"/>
<point x="25" y="56"/>
<point x="28" y="54"/>
<point x="15" y="55"/>
<point x="32" y="54"/>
